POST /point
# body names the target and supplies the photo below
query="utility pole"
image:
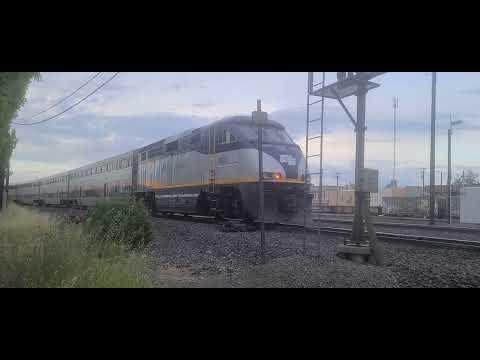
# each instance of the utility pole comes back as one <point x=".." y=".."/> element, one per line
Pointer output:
<point x="449" y="176"/>
<point x="338" y="177"/>
<point x="305" y="176"/>
<point x="321" y="142"/>
<point x="432" y="148"/>
<point x="395" y="107"/>
<point x="259" y="117"/>
<point x="423" y="185"/>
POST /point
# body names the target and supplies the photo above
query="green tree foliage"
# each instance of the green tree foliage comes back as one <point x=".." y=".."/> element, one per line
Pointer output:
<point x="13" y="88"/>
<point x="467" y="179"/>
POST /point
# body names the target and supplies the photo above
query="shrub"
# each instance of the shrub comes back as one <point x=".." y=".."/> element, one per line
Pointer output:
<point x="121" y="221"/>
<point x="38" y="251"/>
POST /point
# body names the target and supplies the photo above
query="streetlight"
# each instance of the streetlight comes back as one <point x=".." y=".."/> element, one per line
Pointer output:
<point x="449" y="180"/>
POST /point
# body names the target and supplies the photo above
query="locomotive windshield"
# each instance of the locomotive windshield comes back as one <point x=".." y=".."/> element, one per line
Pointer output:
<point x="271" y="134"/>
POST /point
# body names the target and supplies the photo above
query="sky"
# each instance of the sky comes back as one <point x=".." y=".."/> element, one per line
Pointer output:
<point x="136" y="109"/>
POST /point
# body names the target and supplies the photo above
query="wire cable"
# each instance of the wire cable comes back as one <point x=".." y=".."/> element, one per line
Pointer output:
<point x="65" y="98"/>
<point x="72" y="106"/>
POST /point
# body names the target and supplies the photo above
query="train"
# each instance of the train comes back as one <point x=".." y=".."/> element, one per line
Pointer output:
<point x="211" y="170"/>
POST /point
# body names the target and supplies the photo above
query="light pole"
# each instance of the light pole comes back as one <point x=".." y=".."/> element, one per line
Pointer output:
<point x="395" y="107"/>
<point x="338" y="178"/>
<point x="432" y="148"/>
<point x="449" y="178"/>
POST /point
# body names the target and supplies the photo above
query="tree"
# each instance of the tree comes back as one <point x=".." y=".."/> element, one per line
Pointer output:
<point x="13" y="88"/>
<point x="467" y="179"/>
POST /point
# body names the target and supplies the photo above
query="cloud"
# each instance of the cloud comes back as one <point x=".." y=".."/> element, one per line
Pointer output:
<point x="66" y="143"/>
<point x="471" y="91"/>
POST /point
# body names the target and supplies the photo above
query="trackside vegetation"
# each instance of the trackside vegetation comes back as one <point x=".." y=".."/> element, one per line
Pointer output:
<point x="123" y="221"/>
<point x="37" y="250"/>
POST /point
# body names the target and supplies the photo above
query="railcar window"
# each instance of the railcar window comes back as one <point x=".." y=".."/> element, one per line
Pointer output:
<point x="144" y="156"/>
<point x="173" y="146"/>
<point x="196" y="139"/>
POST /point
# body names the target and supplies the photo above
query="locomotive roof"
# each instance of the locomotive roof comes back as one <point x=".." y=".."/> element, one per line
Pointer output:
<point x="242" y="119"/>
<point x="239" y="119"/>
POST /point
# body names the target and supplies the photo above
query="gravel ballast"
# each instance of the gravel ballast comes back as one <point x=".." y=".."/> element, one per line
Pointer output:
<point x="186" y="254"/>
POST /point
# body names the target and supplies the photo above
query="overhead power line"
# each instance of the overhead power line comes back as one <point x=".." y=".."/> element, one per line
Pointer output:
<point x="64" y="99"/>
<point x="72" y="106"/>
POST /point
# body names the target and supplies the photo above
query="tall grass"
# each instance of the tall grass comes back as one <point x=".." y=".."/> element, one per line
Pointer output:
<point x="38" y="251"/>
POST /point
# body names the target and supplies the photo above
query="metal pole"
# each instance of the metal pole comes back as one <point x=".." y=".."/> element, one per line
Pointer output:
<point x="358" y="227"/>
<point x="449" y="176"/>
<point x="336" y="200"/>
<point x="395" y="105"/>
<point x="321" y="140"/>
<point x="432" y="149"/>
<point x="423" y="189"/>
<point x="260" y="184"/>
<point x="305" y="190"/>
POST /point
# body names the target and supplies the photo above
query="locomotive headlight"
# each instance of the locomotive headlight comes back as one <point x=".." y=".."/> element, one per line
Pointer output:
<point x="272" y="175"/>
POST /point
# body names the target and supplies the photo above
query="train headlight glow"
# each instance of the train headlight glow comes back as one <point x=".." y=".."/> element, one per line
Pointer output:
<point x="271" y="175"/>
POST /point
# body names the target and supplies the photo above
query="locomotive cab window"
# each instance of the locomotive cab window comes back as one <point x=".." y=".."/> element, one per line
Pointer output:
<point x="225" y="137"/>
<point x="173" y="146"/>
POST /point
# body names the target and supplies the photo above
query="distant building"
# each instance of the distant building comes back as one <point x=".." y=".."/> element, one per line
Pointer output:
<point x="470" y="205"/>
<point x="339" y="199"/>
<point x="407" y="200"/>
<point x="415" y="201"/>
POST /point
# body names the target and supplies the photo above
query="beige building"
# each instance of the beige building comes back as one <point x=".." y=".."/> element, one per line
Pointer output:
<point x="341" y="196"/>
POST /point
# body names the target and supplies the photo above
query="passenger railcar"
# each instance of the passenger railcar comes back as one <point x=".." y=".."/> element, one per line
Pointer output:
<point x="212" y="170"/>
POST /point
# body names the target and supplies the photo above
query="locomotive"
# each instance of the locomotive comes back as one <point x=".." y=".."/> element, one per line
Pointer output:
<point x="211" y="170"/>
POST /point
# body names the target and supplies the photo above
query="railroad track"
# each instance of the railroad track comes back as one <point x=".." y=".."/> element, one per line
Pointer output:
<point x="382" y="236"/>
<point x="399" y="238"/>
<point x="407" y="225"/>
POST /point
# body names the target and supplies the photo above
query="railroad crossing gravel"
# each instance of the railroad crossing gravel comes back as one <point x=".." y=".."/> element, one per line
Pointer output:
<point x="186" y="254"/>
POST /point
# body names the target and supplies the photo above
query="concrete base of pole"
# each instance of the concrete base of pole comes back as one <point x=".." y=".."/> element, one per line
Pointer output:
<point x="357" y="253"/>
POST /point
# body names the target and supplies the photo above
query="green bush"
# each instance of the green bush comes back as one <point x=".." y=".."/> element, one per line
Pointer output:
<point x="38" y="251"/>
<point x="120" y="221"/>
